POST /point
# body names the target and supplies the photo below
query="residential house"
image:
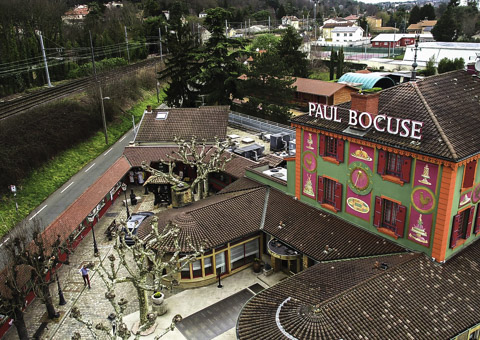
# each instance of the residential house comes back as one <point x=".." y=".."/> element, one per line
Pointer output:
<point x="328" y="28"/>
<point x="348" y="36"/>
<point x="352" y="18"/>
<point x="202" y="14"/>
<point x="319" y="91"/>
<point x="77" y="14"/>
<point x="291" y="21"/>
<point x="424" y="26"/>
<point x="374" y="23"/>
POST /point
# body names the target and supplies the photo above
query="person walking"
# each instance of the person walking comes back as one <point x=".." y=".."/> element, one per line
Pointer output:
<point x="84" y="271"/>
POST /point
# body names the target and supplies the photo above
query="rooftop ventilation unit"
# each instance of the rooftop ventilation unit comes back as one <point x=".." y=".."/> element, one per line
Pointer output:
<point x="279" y="141"/>
<point x="161" y="116"/>
<point x="253" y="151"/>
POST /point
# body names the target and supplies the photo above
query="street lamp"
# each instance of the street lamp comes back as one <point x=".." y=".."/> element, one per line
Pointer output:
<point x="60" y="293"/>
<point x="91" y="219"/>
<point x="124" y="188"/>
<point x="104" y="120"/>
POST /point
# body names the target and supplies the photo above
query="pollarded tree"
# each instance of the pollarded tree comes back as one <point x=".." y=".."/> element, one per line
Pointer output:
<point x="150" y="264"/>
<point x="205" y="159"/>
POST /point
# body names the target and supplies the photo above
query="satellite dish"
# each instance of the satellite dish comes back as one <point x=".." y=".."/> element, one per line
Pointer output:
<point x="477" y="65"/>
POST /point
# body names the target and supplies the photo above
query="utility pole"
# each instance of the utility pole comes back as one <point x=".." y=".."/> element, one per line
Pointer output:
<point x="394" y="41"/>
<point x="315" y="17"/>
<point x="126" y="40"/>
<point x="156" y="83"/>
<point x="44" y="59"/>
<point x="160" y="43"/>
<point x="226" y="28"/>
<point x="104" y="120"/>
<point x="268" y="24"/>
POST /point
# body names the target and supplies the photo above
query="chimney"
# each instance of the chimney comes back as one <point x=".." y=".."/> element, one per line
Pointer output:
<point x="149" y="109"/>
<point x="363" y="102"/>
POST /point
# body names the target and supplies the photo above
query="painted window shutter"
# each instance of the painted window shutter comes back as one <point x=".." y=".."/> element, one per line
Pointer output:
<point x="377" y="217"/>
<point x="469" y="174"/>
<point x="382" y="161"/>
<point x="321" y="148"/>
<point x="406" y="168"/>
<point x="400" y="222"/>
<point x="340" y="149"/>
<point x="470" y="219"/>
<point x="477" y="222"/>
<point x="320" y="189"/>
<point x="455" y="229"/>
<point x="338" y="196"/>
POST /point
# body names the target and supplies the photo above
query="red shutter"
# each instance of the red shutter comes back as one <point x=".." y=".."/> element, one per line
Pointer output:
<point x="321" y="148"/>
<point x="455" y="229"/>
<point x="477" y="222"/>
<point x="377" y="216"/>
<point x="320" y="189"/>
<point x="400" y="222"/>
<point x="382" y="161"/>
<point x="470" y="219"/>
<point x="469" y="174"/>
<point x="338" y="196"/>
<point x="340" y="148"/>
<point x="406" y="168"/>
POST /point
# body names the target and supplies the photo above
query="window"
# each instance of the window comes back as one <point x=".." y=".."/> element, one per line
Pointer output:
<point x="220" y="262"/>
<point x="197" y="268"/>
<point x="331" y="147"/>
<point x="389" y="216"/>
<point x="350" y="34"/>
<point x="344" y="34"/>
<point x="207" y="264"/>
<point x="392" y="164"/>
<point x="469" y="174"/>
<point x="330" y="193"/>
<point x="462" y="226"/>
<point x="476" y="229"/>
<point x="244" y="253"/>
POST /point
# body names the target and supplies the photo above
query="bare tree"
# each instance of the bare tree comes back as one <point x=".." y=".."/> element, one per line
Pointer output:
<point x="206" y="159"/>
<point x="156" y="261"/>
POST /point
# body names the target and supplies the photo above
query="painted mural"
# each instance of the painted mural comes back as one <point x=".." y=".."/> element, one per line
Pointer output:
<point x="309" y="186"/>
<point x="420" y="227"/>
<point x="465" y="198"/>
<point x="476" y="193"/>
<point x="310" y="142"/>
<point x="423" y="202"/>
<point x="309" y="161"/>
<point x="360" y="181"/>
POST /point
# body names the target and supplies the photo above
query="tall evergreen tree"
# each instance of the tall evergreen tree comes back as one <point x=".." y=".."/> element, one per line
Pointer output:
<point x="220" y="60"/>
<point x="331" y="65"/>
<point x="414" y="15"/>
<point x="340" y="63"/>
<point x="288" y="50"/>
<point x="427" y="12"/>
<point x="446" y="28"/>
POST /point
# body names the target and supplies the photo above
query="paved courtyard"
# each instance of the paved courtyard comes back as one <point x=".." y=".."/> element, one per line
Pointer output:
<point x="94" y="306"/>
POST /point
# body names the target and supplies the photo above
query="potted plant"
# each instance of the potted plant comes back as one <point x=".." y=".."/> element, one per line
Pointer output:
<point x="157" y="298"/>
<point x="257" y="265"/>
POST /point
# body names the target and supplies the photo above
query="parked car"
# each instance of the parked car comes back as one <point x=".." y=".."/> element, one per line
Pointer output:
<point x="133" y="223"/>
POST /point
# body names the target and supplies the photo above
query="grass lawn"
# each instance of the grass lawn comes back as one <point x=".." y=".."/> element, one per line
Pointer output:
<point x="53" y="174"/>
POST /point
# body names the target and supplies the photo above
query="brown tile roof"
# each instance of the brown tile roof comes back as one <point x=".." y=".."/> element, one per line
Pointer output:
<point x="241" y="184"/>
<point x="273" y="160"/>
<point x="71" y="217"/>
<point x="451" y="98"/>
<point x="205" y="122"/>
<point x="307" y="289"/>
<point x="310" y="230"/>
<point x="138" y="154"/>
<point x="222" y="218"/>
<point x="338" y="24"/>
<point x="318" y="87"/>
<point x="415" y="299"/>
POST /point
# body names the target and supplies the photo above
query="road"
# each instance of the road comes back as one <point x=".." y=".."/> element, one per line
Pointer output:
<point x="61" y="199"/>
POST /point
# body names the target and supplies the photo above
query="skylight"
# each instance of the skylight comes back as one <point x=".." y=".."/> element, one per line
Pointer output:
<point x="161" y="115"/>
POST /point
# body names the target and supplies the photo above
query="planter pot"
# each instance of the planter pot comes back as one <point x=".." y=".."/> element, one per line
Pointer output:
<point x="158" y="300"/>
<point x="257" y="267"/>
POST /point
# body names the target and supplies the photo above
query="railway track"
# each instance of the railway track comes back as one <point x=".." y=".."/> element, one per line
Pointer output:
<point x="29" y="101"/>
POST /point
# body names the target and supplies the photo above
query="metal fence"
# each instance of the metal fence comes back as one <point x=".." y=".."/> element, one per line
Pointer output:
<point x="259" y="125"/>
<point x="356" y="53"/>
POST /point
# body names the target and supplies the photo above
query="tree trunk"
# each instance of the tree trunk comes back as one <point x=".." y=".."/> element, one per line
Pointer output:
<point x="143" y="304"/>
<point x="205" y="188"/>
<point x="19" y="323"/>
<point x="47" y="300"/>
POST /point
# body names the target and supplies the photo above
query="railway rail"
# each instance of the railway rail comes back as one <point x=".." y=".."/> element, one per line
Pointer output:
<point x="29" y="101"/>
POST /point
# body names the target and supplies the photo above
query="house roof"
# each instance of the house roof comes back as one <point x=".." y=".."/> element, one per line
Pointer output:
<point x="352" y="17"/>
<point x="318" y="87"/>
<point x="398" y="36"/>
<point x="204" y="122"/>
<point x="368" y="80"/>
<point x="148" y="154"/>
<point x="337" y="24"/>
<point x="238" y="213"/>
<point x="423" y="23"/>
<point x="447" y="104"/>
<point x="346" y="29"/>
<point x="413" y="299"/>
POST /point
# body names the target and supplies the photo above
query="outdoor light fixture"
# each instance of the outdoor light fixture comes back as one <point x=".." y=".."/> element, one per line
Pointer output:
<point x="124" y="188"/>
<point x="91" y="219"/>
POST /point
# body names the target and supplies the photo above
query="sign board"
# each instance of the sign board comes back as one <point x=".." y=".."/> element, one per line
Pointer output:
<point x="402" y="127"/>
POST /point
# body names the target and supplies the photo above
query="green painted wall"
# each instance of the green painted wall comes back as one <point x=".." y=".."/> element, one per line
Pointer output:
<point x="391" y="190"/>
<point x="291" y="175"/>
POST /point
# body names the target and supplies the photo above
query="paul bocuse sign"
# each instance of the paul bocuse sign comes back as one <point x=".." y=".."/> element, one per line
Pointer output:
<point x="382" y="123"/>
